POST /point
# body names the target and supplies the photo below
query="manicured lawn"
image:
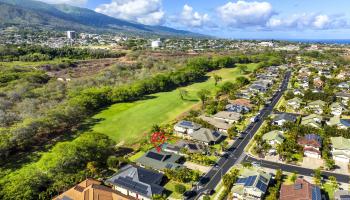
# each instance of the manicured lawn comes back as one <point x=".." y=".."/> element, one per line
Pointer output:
<point x="129" y="122"/>
<point x="171" y="187"/>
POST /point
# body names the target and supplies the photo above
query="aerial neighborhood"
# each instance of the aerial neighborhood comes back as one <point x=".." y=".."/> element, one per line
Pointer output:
<point x="155" y="100"/>
<point x="289" y="115"/>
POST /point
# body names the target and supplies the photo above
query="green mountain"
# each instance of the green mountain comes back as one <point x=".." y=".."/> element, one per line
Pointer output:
<point x="29" y="13"/>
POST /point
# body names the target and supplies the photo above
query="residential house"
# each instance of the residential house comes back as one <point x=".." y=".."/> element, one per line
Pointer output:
<point x="343" y="75"/>
<point x="242" y="102"/>
<point x="344" y="85"/>
<point x="171" y="148"/>
<point x="316" y="106"/>
<point x="160" y="160"/>
<point x="280" y="119"/>
<point x="318" y="83"/>
<point x="340" y="123"/>
<point x="273" y="138"/>
<point x="294" y="103"/>
<point x="237" y="108"/>
<point x="252" y="184"/>
<point x="194" y="131"/>
<point x="91" y="189"/>
<point x="336" y="109"/>
<point x="342" y="195"/>
<point x="300" y="190"/>
<point x="221" y="125"/>
<point x="245" y="94"/>
<point x="228" y="117"/>
<point x="304" y="85"/>
<point x="186" y="127"/>
<point x="258" y="88"/>
<point x="298" y="92"/>
<point x="312" y="144"/>
<point x="137" y="182"/>
<point x="192" y="147"/>
<point x="312" y="120"/>
<point x="344" y="96"/>
<point x="325" y="72"/>
<point x="340" y="149"/>
<point x="206" y="136"/>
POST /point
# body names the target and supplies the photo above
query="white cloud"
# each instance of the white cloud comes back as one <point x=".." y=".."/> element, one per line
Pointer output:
<point x="307" y="21"/>
<point x="191" y="18"/>
<point x="245" y="14"/>
<point x="143" y="11"/>
<point x="70" y="2"/>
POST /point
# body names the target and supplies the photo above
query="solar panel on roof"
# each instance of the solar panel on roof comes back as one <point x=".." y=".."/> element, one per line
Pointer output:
<point x="316" y="193"/>
<point x="186" y="123"/>
<point x="261" y="186"/>
<point x="250" y="181"/>
<point x="263" y="179"/>
<point x="140" y="187"/>
<point x="154" y="155"/>
<point x="216" y="134"/>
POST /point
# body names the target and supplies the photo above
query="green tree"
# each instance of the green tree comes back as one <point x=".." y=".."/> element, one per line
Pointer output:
<point x="113" y="162"/>
<point x="334" y="182"/>
<point x="217" y="79"/>
<point x="232" y="132"/>
<point x="183" y="93"/>
<point x="203" y="95"/>
<point x="283" y="108"/>
<point x="293" y="177"/>
<point x="317" y="176"/>
<point x="242" y="68"/>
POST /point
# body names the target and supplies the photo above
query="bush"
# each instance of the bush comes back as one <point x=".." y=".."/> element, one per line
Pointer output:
<point x="113" y="162"/>
<point x="179" y="188"/>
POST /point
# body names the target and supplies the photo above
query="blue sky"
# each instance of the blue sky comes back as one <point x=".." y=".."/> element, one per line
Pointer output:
<point x="247" y="19"/>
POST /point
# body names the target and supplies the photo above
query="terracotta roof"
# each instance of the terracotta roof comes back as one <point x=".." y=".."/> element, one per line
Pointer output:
<point x="300" y="190"/>
<point x="242" y="102"/>
<point x="91" y="189"/>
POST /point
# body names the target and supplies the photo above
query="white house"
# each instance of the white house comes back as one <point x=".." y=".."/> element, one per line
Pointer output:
<point x="341" y="149"/>
<point x="156" y="44"/>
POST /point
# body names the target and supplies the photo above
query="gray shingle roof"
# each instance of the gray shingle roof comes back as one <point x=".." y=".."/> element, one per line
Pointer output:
<point x="139" y="180"/>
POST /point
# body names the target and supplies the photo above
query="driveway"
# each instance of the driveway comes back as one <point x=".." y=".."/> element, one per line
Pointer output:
<point x="194" y="166"/>
<point x="342" y="167"/>
<point x="312" y="163"/>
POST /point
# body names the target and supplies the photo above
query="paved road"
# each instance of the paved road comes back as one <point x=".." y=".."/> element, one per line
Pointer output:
<point x="297" y="169"/>
<point x="236" y="152"/>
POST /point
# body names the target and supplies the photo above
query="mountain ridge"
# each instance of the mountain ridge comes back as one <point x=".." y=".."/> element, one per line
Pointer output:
<point x="62" y="16"/>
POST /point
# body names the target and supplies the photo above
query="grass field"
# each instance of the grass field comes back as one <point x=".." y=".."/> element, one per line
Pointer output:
<point x="128" y="122"/>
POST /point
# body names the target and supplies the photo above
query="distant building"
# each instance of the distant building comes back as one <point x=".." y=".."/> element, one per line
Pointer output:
<point x="71" y="35"/>
<point x="156" y="44"/>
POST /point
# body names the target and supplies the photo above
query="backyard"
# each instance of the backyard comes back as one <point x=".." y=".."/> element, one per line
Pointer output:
<point x="128" y="122"/>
